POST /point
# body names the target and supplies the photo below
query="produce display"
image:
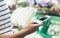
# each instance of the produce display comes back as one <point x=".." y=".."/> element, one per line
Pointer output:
<point x="21" y="17"/>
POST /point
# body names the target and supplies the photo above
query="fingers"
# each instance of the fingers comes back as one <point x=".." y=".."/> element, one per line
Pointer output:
<point x="32" y="23"/>
<point x="35" y="25"/>
<point x="40" y="23"/>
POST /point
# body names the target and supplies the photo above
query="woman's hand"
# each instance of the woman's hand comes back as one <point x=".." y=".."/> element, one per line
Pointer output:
<point x="31" y="27"/>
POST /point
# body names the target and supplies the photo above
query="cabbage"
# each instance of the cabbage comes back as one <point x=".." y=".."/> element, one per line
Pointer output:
<point x="22" y="16"/>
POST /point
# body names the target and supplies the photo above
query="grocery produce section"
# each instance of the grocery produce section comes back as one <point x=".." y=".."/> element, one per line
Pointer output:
<point x="50" y="15"/>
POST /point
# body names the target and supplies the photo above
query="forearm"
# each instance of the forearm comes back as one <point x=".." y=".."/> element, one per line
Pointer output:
<point x="20" y="34"/>
<point x="27" y="30"/>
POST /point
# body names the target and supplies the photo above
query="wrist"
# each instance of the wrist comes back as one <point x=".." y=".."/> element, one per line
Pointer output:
<point x="24" y="32"/>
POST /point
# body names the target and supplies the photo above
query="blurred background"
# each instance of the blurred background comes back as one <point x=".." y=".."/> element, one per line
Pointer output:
<point x="25" y="11"/>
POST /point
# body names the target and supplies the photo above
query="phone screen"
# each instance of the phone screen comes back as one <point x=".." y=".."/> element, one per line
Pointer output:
<point x="42" y="19"/>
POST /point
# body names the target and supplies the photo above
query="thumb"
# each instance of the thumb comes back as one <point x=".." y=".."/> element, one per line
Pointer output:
<point x="37" y="25"/>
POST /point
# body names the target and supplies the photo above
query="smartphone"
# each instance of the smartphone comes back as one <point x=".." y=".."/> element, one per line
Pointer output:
<point x="42" y="19"/>
<point x="37" y="21"/>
